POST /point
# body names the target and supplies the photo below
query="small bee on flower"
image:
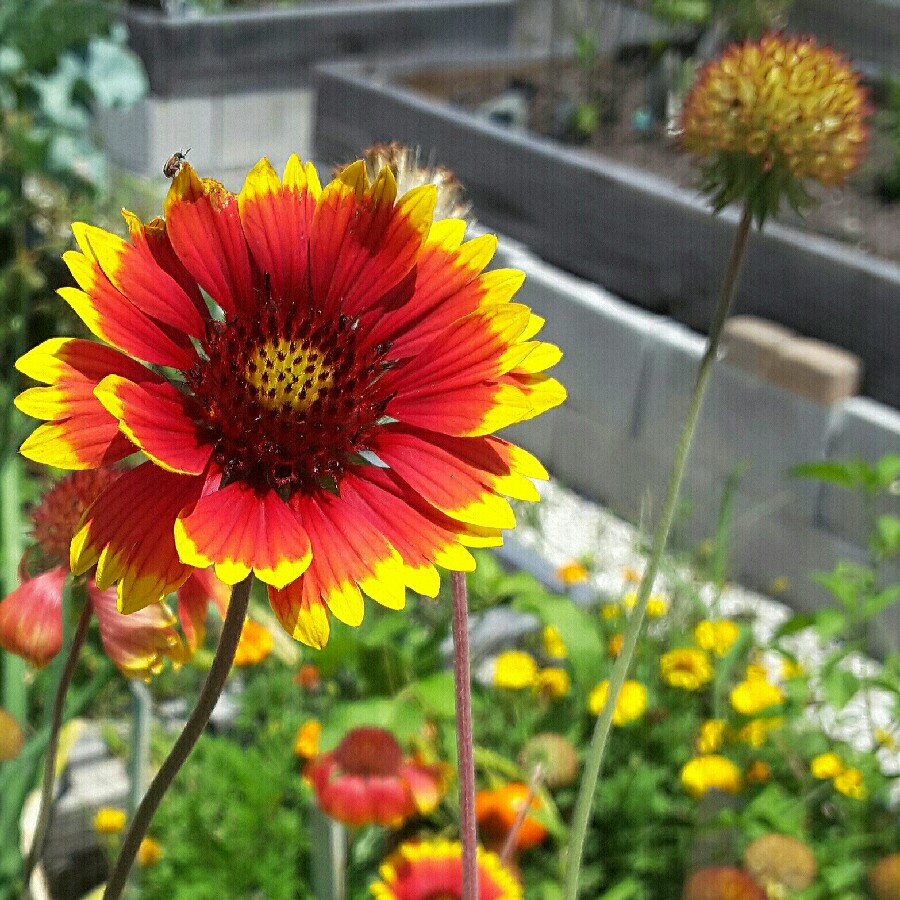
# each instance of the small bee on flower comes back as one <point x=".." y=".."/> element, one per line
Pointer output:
<point x="173" y="163"/>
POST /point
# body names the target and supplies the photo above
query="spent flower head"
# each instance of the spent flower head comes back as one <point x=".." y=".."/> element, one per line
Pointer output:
<point x="768" y="114"/>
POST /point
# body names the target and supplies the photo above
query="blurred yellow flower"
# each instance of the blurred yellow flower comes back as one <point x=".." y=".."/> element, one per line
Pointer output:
<point x="306" y="744"/>
<point x="629" y="601"/>
<point x="610" y="611"/>
<point x="711" y="735"/>
<point x="255" y="644"/>
<point x="790" y="668"/>
<point x="515" y="669"/>
<point x="631" y="575"/>
<point x="850" y="784"/>
<point x="708" y="772"/>
<point x="685" y="668"/>
<point x="826" y="766"/>
<point x="755" y="731"/>
<point x="884" y="738"/>
<point x="149" y="852"/>
<point x="572" y="572"/>
<point x="716" y="637"/>
<point x="614" y="647"/>
<point x="657" y="606"/>
<point x="756" y="671"/>
<point x="630" y="706"/>
<point x="751" y="697"/>
<point x="109" y="820"/>
<point x="554" y="645"/>
<point x="758" y="772"/>
<point x="779" y="585"/>
<point x="552" y="683"/>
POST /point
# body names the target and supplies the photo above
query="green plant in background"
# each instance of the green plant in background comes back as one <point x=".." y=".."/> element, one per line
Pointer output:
<point x="888" y="121"/>
<point x="58" y="60"/>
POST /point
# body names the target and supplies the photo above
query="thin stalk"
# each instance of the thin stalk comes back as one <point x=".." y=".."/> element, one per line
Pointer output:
<point x="59" y="702"/>
<point x="464" y="741"/>
<point x="14" y="698"/>
<point x="193" y="728"/>
<point x="594" y="761"/>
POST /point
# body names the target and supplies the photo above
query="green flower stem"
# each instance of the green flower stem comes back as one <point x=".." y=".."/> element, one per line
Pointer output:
<point x="193" y="728"/>
<point x="464" y="740"/>
<point x="56" y="718"/>
<point x="15" y="699"/>
<point x="594" y="760"/>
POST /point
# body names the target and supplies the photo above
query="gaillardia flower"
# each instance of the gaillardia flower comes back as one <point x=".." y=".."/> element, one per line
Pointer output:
<point x="432" y="870"/>
<point x="497" y="810"/>
<point x="314" y="376"/>
<point x="768" y="114"/>
<point x="31" y="616"/>
<point x="366" y="780"/>
<point x="685" y="668"/>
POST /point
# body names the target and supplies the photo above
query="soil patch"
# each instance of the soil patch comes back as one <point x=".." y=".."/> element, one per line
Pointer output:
<point x="543" y="97"/>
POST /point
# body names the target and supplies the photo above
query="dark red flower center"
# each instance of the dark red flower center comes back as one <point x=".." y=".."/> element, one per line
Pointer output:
<point x="369" y="751"/>
<point x="287" y="399"/>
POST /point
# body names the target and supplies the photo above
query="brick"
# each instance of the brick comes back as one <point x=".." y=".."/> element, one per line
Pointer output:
<point x="816" y="370"/>
<point x="752" y="343"/>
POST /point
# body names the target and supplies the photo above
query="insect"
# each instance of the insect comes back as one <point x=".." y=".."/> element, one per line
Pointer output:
<point x="173" y="163"/>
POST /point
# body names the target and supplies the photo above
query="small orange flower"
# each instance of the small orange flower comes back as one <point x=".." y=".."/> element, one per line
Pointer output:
<point x="432" y="870"/>
<point x="149" y="852"/>
<point x="614" y="645"/>
<point x="366" y="780"/>
<point x="496" y="811"/>
<point x="758" y="772"/>
<point x="255" y="644"/>
<point x="308" y="677"/>
<point x="11" y="737"/>
<point x="572" y="573"/>
<point x="306" y="744"/>
<point x="770" y="113"/>
<point x="685" y="668"/>
<point x="630" y="575"/>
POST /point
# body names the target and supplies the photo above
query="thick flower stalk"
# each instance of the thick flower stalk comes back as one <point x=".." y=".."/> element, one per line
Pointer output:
<point x="313" y="375"/>
<point x="768" y="114"/>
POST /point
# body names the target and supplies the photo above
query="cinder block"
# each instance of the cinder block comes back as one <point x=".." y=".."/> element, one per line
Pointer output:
<point x="751" y="343"/>
<point x="816" y="370"/>
<point x="179" y="124"/>
<point x="604" y="341"/>
<point x="865" y="430"/>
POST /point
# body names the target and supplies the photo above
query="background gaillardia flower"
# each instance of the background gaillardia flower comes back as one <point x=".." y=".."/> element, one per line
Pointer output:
<point x="314" y="376"/>
<point x="768" y="114"/>
<point x="685" y="668"/>
<point x="710" y="771"/>
<point x="433" y="869"/>
<point x="366" y="779"/>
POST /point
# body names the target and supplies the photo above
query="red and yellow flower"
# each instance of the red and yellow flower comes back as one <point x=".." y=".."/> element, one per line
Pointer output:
<point x="367" y="780"/>
<point x="497" y="811"/>
<point x="314" y="376"/>
<point x="429" y="870"/>
<point x="31" y="616"/>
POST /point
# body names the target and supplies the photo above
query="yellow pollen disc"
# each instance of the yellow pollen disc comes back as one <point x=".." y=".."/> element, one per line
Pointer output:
<point x="284" y="376"/>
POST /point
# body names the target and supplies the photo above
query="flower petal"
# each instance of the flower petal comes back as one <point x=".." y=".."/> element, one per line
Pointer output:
<point x="204" y="226"/>
<point x="31" y="617"/>
<point x="128" y="534"/>
<point x="194" y="597"/>
<point x="153" y="415"/>
<point x="303" y="614"/>
<point x="363" y="244"/>
<point x="276" y="219"/>
<point x="238" y="531"/>
<point x="138" y="642"/>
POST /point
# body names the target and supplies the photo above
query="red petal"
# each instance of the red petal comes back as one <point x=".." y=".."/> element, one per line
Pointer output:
<point x="238" y="531"/>
<point x="31" y="617"/>
<point x="302" y="612"/>
<point x="155" y="417"/>
<point x="194" y="597"/>
<point x="128" y="533"/>
<point x="204" y="226"/>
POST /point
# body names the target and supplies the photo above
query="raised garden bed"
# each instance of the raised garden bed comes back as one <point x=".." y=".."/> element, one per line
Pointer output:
<point x="639" y="234"/>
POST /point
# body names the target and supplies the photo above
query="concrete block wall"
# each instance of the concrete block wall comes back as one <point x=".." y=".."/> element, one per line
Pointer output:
<point x="630" y="373"/>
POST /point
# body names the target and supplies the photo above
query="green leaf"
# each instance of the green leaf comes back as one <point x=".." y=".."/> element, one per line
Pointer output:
<point x="887" y="535"/>
<point x="875" y="603"/>
<point x="794" y="624"/>
<point x="829" y="623"/>
<point x="578" y="630"/>
<point x="437" y="694"/>
<point x="838" y="686"/>
<point x="854" y="474"/>
<point x="888" y="471"/>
